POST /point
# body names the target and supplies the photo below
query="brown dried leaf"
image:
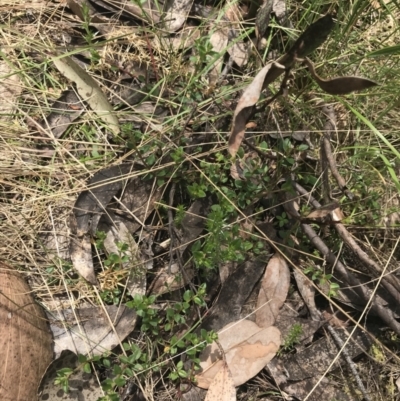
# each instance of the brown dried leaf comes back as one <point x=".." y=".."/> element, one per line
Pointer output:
<point x="245" y="106"/>
<point x="89" y="91"/>
<point x="248" y="348"/>
<point x="321" y="214"/>
<point x="25" y="340"/>
<point x="222" y="388"/>
<point x="313" y="37"/>
<point x="340" y="85"/>
<point x="172" y="280"/>
<point x="273" y="291"/>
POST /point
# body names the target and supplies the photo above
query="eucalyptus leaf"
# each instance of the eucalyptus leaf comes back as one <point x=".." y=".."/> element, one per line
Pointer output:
<point x="262" y="18"/>
<point x="313" y="37"/>
<point x="89" y="90"/>
<point x="339" y="85"/>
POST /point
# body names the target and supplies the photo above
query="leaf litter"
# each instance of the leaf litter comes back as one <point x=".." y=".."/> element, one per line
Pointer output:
<point x="94" y="204"/>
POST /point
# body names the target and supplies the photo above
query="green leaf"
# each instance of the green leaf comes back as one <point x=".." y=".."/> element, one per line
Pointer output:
<point x="119" y="381"/>
<point x="86" y="368"/>
<point x="117" y="370"/>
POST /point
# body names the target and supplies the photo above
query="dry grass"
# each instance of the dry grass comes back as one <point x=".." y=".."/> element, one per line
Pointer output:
<point x="39" y="186"/>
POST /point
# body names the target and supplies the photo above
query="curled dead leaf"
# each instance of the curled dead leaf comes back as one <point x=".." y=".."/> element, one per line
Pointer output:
<point x="339" y="85"/>
<point x="248" y="99"/>
<point x="313" y="37"/>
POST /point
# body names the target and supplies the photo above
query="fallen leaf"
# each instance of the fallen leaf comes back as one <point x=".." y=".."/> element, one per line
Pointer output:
<point x="340" y="85"/>
<point x="245" y="106"/>
<point x="88" y="209"/>
<point x="64" y="111"/>
<point x="82" y="385"/>
<point x="170" y="279"/>
<point x="25" y="339"/>
<point x="136" y="265"/>
<point x="92" y="334"/>
<point x="222" y="388"/>
<point x="219" y="42"/>
<point x="331" y="209"/>
<point x="248" y="348"/>
<point x="235" y="290"/>
<point x="177" y="14"/>
<point x="262" y="19"/>
<point x="10" y="89"/>
<point x="273" y="292"/>
<point x="313" y="37"/>
<point x="89" y="91"/>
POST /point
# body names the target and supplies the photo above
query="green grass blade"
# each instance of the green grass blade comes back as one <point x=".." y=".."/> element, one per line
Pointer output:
<point x="386" y="51"/>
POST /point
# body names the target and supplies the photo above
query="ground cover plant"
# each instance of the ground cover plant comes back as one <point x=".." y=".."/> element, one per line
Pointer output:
<point x="203" y="198"/>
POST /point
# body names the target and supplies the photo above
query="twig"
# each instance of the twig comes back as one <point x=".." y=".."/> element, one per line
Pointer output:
<point x="390" y="282"/>
<point x="362" y="291"/>
<point x="326" y="153"/>
<point x="349" y="361"/>
<point x="171" y="226"/>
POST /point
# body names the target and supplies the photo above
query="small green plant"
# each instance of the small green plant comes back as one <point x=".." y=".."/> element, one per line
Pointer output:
<point x="322" y="279"/>
<point x="292" y="338"/>
<point x="89" y="35"/>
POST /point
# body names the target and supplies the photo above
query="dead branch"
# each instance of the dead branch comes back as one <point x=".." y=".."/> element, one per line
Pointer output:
<point x="362" y="291"/>
<point x="326" y="149"/>
<point x="390" y="282"/>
